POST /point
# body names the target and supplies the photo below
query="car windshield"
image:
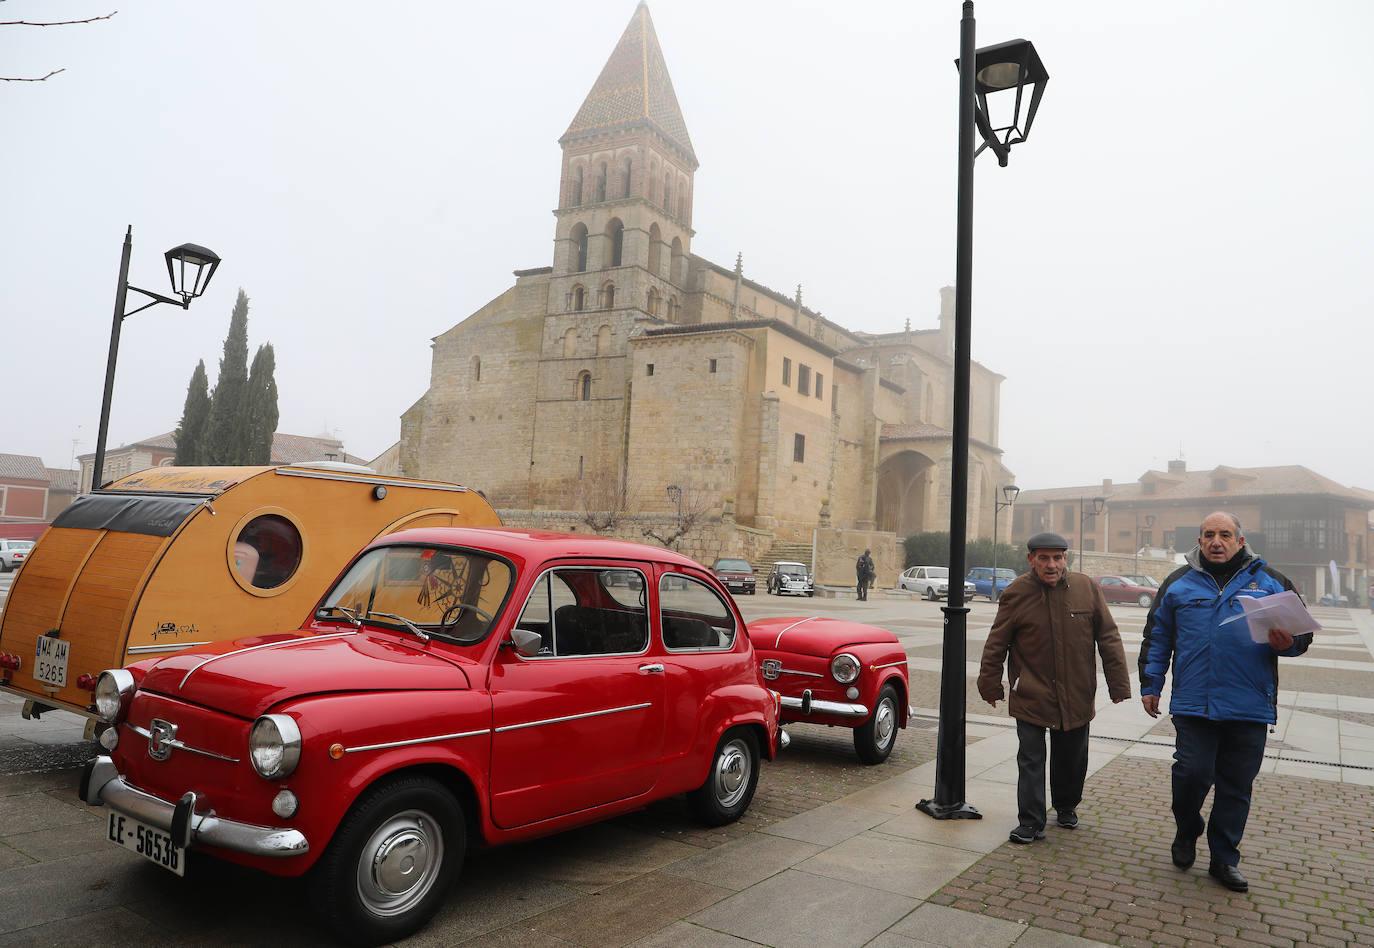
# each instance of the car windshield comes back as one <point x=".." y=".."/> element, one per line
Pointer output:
<point x="937" y="572"/>
<point x="791" y="569"/>
<point x="734" y="566"/>
<point x="449" y="593"/>
<point x="1006" y="574"/>
<point x="21" y="544"/>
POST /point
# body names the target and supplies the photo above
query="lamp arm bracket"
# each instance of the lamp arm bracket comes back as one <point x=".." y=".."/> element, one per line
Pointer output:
<point x="156" y="298"/>
<point x="989" y="138"/>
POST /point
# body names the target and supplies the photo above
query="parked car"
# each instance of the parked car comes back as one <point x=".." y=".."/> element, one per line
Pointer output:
<point x="1139" y="580"/>
<point x="735" y="575"/>
<point x="792" y="578"/>
<point x="1121" y="589"/>
<point x="455" y="686"/>
<point x="981" y="577"/>
<point x="840" y="673"/>
<point x="1332" y="599"/>
<point x="12" y="553"/>
<point x="932" y="582"/>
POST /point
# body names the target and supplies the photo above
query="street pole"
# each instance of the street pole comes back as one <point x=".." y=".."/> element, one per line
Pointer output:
<point x="97" y="469"/>
<point x="949" y="802"/>
<point x="1137" y="543"/>
<point x="1081" y="518"/>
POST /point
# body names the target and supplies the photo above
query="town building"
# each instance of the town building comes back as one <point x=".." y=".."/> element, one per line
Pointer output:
<point x="31" y="494"/>
<point x="1300" y="521"/>
<point x="633" y="372"/>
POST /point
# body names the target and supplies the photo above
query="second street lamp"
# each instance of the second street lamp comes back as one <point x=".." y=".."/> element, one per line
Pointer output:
<point x="190" y="268"/>
<point x="1149" y="525"/>
<point x="1010" y="492"/>
<point x="983" y="73"/>
<point x="1084" y="515"/>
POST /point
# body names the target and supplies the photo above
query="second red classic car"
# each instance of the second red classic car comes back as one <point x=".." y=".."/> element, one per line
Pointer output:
<point x="454" y="686"/>
<point x="836" y="672"/>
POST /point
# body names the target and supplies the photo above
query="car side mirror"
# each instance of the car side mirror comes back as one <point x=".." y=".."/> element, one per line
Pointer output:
<point x="527" y="643"/>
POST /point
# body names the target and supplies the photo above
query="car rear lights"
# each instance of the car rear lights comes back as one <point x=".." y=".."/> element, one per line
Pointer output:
<point x="10" y="661"/>
<point x="87" y="682"/>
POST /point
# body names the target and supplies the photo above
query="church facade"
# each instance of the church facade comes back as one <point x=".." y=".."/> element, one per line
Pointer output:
<point x="635" y="377"/>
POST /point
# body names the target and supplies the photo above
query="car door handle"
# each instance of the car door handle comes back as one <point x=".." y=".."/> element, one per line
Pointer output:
<point x="654" y="669"/>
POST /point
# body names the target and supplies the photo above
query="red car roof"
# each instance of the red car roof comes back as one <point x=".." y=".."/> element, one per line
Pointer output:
<point x="537" y="544"/>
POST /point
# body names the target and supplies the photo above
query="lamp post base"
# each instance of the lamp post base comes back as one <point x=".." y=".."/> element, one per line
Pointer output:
<point x="950" y="811"/>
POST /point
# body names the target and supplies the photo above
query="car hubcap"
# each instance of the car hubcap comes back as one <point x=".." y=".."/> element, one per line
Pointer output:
<point x="733" y="768"/>
<point x="886" y="724"/>
<point x="400" y="863"/>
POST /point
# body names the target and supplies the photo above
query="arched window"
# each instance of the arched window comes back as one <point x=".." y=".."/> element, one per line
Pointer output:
<point x="668" y="191"/>
<point x="607" y="295"/>
<point x="570" y="343"/>
<point x="675" y="274"/>
<point x="579" y="239"/>
<point x="682" y="199"/>
<point x="477" y="368"/>
<point x="584" y="387"/>
<point x="615" y="240"/>
<point x="672" y="309"/>
<point x="577" y="186"/>
<point x="929" y="406"/>
<point x="603" y="340"/>
<point x="655" y="250"/>
<point x="579" y="299"/>
<point x="626" y="177"/>
<point x="652" y="188"/>
<point x="601" y="184"/>
<point x="653" y="302"/>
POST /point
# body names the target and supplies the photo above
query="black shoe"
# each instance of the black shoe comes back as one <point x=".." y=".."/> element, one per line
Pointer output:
<point x="1184" y="851"/>
<point x="1228" y="876"/>
<point x="1026" y="834"/>
<point x="1067" y="818"/>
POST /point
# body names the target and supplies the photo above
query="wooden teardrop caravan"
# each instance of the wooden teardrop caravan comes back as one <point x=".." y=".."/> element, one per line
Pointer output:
<point x="174" y="557"/>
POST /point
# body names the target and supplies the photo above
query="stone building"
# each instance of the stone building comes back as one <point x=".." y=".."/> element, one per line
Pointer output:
<point x="634" y="370"/>
<point x="1300" y="521"/>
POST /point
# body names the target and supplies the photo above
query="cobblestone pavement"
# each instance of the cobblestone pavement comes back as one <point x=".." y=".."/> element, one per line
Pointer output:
<point x="1309" y="858"/>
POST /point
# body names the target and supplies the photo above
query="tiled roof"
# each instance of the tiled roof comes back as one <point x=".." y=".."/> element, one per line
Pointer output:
<point x="22" y="467"/>
<point x="59" y="479"/>
<point x="1197" y="485"/>
<point x="286" y="448"/>
<point x="634" y="87"/>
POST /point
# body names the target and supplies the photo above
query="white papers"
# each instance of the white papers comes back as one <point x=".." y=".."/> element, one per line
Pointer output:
<point x="1280" y="611"/>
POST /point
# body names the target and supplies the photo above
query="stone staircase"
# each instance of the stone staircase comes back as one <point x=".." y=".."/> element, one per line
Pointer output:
<point x="781" y="552"/>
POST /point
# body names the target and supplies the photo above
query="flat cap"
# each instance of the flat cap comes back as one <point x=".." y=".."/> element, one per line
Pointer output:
<point x="1047" y="541"/>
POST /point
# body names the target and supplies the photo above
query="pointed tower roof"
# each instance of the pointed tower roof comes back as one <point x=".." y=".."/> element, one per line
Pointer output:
<point x="633" y="89"/>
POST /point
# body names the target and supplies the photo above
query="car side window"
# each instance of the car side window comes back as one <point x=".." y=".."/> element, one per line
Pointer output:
<point x="693" y="617"/>
<point x="575" y="612"/>
<point x="1110" y="581"/>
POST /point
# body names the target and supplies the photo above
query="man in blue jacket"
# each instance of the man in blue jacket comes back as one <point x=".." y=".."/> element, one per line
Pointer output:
<point x="1225" y="690"/>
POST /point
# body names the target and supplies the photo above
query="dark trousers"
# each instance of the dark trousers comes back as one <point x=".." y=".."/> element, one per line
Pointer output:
<point x="863" y="587"/>
<point x="1068" y="770"/>
<point x="1224" y="754"/>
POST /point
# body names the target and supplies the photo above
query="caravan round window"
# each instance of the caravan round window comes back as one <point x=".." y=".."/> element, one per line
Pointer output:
<point x="265" y="552"/>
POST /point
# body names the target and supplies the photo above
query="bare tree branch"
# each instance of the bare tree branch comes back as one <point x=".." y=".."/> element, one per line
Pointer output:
<point x="688" y="514"/>
<point x="57" y="22"/>
<point x="603" y="502"/>
<point x="32" y="78"/>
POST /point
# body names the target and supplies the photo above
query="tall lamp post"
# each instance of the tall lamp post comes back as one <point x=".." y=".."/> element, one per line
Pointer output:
<point x="1083" y="516"/>
<point x="190" y="268"/>
<point x="1005" y="68"/>
<point x="1149" y="525"/>
<point x="1010" y="492"/>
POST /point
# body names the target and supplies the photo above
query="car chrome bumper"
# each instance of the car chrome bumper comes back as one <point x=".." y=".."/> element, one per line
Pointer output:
<point x="101" y="785"/>
<point x="808" y="705"/>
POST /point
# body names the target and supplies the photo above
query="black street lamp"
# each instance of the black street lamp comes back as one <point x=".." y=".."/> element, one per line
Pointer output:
<point x="1149" y="525"/>
<point x="1010" y="492"/>
<point x="983" y="73"/>
<point x="190" y="268"/>
<point x="1084" y="515"/>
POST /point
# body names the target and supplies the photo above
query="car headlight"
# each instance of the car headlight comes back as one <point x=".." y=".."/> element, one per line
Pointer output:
<point x="274" y="746"/>
<point x="113" y="692"/>
<point x="844" y="668"/>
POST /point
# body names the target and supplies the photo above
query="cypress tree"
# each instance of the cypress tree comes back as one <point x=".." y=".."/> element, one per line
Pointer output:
<point x="190" y="433"/>
<point x="260" y="414"/>
<point x="224" y="437"/>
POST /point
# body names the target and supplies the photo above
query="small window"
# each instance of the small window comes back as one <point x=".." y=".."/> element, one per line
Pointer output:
<point x="579" y="299"/>
<point x="693" y="616"/>
<point x="834" y="397"/>
<point x="1219" y="484"/>
<point x="712" y="367"/>
<point x="1169" y="539"/>
<point x="477" y="368"/>
<point x="649" y="369"/>
<point x="267" y="551"/>
<point x="1068" y="518"/>
<point x="820" y="386"/>
<point x="584" y="387"/>
<point x="786" y="371"/>
<point x="804" y="380"/>
<point x="1147" y="538"/>
<point x="566" y="610"/>
<point x="799" y="448"/>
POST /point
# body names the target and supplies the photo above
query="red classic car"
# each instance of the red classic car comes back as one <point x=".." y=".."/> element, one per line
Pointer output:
<point x="836" y="672"/>
<point x="1124" y="589"/>
<point x="454" y="683"/>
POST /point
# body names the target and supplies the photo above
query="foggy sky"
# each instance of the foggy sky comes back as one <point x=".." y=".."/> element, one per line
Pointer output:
<point x="1176" y="260"/>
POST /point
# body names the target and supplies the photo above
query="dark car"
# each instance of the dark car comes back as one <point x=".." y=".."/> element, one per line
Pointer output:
<point x="735" y="575"/>
<point x="1121" y="589"/>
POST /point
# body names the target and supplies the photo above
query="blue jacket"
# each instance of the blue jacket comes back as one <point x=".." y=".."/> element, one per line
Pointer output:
<point x="1219" y="672"/>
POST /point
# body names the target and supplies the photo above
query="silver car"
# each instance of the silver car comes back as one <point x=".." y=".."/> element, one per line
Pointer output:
<point x="12" y="553"/>
<point x="932" y="582"/>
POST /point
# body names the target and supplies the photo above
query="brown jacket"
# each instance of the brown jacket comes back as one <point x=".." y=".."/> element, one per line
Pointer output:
<point x="1050" y="633"/>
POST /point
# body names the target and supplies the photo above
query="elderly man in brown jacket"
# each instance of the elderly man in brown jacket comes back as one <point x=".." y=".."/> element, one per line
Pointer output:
<point x="1049" y="621"/>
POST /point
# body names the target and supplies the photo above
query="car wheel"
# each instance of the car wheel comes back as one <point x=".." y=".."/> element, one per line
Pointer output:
<point x="729" y="787"/>
<point x="875" y="738"/>
<point x="930" y="593"/>
<point x="1145" y="600"/>
<point x="391" y="862"/>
